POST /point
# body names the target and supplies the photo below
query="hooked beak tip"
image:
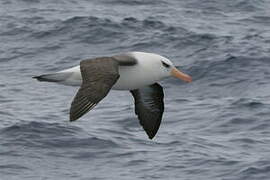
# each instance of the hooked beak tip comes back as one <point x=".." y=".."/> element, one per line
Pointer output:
<point x="188" y="79"/>
<point x="180" y="75"/>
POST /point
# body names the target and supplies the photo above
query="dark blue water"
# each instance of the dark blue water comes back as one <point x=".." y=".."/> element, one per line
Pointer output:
<point x="217" y="127"/>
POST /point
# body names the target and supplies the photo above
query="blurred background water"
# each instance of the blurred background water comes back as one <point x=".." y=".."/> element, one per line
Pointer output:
<point x="217" y="127"/>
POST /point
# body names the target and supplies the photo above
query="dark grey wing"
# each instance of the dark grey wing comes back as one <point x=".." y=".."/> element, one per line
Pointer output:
<point x="125" y="59"/>
<point x="98" y="77"/>
<point x="149" y="107"/>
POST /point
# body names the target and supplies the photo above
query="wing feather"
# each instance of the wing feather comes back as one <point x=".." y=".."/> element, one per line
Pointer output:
<point x="149" y="107"/>
<point x="98" y="77"/>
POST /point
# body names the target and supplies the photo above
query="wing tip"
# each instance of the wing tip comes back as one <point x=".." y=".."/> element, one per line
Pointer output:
<point x="151" y="135"/>
<point x="71" y="119"/>
<point x="74" y="114"/>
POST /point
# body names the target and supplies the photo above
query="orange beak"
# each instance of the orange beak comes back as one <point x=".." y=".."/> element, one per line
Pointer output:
<point x="178" y="74"/>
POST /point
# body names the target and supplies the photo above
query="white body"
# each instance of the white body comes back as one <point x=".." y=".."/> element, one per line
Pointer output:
<point x="147" y="71"/>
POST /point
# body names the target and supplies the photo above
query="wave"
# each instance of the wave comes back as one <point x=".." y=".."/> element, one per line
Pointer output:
<point x="93" y="28"/>
<point x="51" y="135"/>
<point x="246" y="102"/>
<point x="13" y="167"/>
<point x="233" y="67"/>
<point x="253" y="171"/>
<point x="134" y="2"/>
<point x="227" y="6"/>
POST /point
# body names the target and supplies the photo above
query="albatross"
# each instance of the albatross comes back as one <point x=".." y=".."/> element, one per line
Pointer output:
<point x="137" y="72"/>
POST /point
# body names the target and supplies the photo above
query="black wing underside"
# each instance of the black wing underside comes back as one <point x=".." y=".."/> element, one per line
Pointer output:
<point x="149" y="107"/>
<point x="98" y="77"/>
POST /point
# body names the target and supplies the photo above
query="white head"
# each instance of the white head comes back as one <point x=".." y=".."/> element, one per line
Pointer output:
<point x="169" y="69"/>
<point x="165" y="67"/>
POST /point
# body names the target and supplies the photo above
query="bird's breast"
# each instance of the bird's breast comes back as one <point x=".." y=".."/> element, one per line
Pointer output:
<point x="134" y="77"/>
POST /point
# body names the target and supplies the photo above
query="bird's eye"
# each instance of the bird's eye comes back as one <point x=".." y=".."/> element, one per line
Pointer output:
<point x="165" y="64"/>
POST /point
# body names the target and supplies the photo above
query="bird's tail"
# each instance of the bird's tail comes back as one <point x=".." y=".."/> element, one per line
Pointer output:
<point x="54" y="77"/>
<point x="70" y="77"/>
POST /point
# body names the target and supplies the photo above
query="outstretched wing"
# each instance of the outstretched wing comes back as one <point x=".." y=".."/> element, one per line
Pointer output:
<point x="149" y="107"/>
<point x="98" y="77"/>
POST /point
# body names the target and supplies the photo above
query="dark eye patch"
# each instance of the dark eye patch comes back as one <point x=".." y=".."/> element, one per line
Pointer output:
<point x="165" y="64"/>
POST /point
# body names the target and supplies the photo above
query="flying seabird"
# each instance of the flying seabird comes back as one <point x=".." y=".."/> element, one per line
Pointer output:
<point x="137" y="72"/>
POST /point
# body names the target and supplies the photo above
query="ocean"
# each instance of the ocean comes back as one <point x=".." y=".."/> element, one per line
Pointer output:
<point x="215" y="128"/>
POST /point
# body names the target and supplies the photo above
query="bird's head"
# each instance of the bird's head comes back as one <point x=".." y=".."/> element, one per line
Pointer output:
<point x="168" y="69"/>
